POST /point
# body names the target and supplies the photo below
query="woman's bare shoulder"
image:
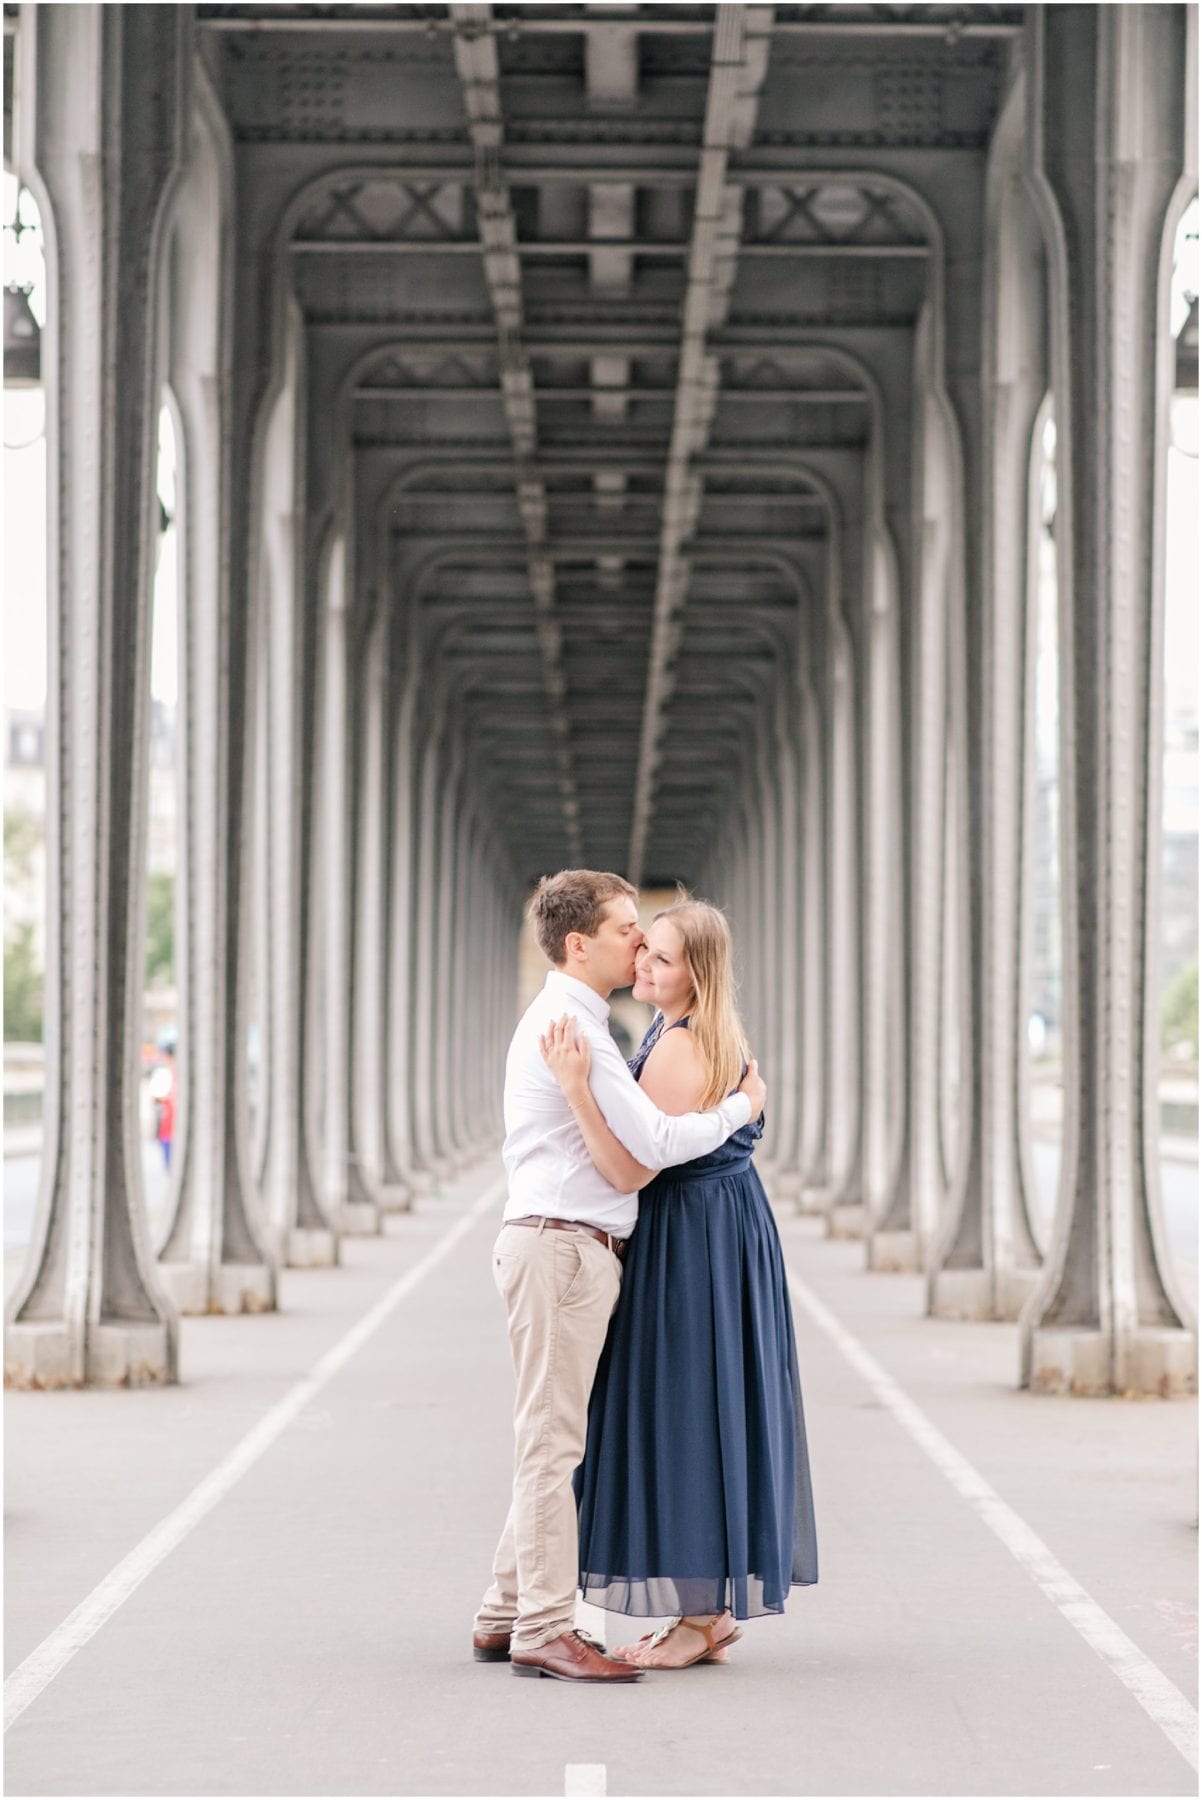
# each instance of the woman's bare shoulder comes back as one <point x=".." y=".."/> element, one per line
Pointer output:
<point x="676" y="1049"/>
<point x="674" y="1074"/>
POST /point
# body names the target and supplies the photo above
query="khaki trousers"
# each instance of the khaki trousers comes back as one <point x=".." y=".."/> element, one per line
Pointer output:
<point x="560" y="1289"/>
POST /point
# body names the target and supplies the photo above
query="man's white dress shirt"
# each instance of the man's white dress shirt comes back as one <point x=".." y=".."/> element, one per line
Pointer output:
<point x="550" y="1170"/>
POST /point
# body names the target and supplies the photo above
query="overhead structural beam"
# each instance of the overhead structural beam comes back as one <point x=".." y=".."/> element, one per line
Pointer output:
<point x="478" y="68"/>
<point x="593" y="247"/>
<point x="489" y="391"/>
<point x="953" y="27"/>
<point x="739" y="60"/>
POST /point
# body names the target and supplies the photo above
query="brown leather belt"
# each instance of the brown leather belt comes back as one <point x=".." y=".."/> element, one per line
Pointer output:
<point x="616" y="1244"/>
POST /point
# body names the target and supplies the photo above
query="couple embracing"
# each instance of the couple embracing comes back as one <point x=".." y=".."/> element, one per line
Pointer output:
<point x="655" y="1366"/>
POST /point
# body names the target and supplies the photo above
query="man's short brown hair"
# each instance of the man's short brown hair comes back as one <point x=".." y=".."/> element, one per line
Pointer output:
<point x="573" y="900"/>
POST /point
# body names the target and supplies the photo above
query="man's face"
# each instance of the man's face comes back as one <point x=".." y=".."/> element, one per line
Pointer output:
<point x="611" y="952"/>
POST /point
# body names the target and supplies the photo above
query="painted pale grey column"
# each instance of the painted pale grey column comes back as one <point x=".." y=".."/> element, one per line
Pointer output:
<point x="815" y="1087"/>
<point x="369" y="1058"/>
<point x="842" y="869"/>
<point x="441" y="954"/>
<point x="883" y="906"/>
<point x="276" y="579"/>
<point x="402" y="920"/>
<point x="740" y="909"/>
<point x="1109" y="174"/>
<point x="903" y="1239"/>
<point x="347" y="1203"/>
<point x="104" y="99"/>
<point x="465" y="977"/>
<point x="425" y="938"/>
<point x="483" y="985"/>
<point x="786" y="1179"/>
<point x="491" y="986"/>
<point x="471" y="983"/>
<point x="509" y="922"/>
<point x="986" y="1262"/>
<point x="447" y="1046"/>
<point x="258" y="923"/>
<point x="213" y="1259"/>
<point x="751" y="929"/>
<point x="493" y="982"/>
<point x="767" y="931"/>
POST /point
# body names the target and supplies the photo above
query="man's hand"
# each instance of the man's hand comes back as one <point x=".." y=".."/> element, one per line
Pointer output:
<point x="566" y="1054"/>
<point x="754" y="1088"/>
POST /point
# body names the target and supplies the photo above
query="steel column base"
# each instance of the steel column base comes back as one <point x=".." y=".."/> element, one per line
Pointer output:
<point x="358" y="1218"/>
<point x="895" y="1252"/>
<point x="1078" y="1362"/>
<point x="849" y="1220"/>
<point x="813" y="1200"/>
<point x="311" y="1247"/>
<point x="975" y="1294"/>
<point x="394" y="1197"/>
<point x="136" y="1355"/>
<point x="230" y="1288"/>
<point x="1014" y="1289"/>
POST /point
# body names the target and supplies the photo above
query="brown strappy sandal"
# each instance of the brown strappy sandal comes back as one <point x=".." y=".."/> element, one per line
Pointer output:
<point x="709" y="1654"/>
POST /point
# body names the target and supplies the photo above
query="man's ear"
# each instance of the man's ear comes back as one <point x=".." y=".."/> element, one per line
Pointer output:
<point x="573" y="946"/>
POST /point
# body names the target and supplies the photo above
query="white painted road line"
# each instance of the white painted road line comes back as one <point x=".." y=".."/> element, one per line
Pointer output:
<point x="1160" y="1698"/>
<point x="52" y="1655"/>
<point x="584" y="1778"/>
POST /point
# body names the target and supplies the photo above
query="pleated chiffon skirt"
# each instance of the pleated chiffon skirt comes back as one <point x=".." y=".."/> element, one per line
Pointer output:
<point x="694" y="1491"/>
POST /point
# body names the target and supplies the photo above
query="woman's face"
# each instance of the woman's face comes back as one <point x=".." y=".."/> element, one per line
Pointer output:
<point x="661" y="974"/>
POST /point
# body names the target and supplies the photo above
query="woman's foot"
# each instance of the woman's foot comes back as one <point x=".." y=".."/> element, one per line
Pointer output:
<point x="703" y="1638"/>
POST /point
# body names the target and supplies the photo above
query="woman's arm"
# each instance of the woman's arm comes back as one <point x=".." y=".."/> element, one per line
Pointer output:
<point x="566" y="1054"/>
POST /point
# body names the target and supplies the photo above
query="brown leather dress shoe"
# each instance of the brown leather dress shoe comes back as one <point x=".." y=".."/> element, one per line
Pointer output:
<point x="572" y="1657"/>
<point x="490" y="1646"/>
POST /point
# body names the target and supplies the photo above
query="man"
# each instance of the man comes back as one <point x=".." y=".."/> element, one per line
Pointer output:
<point x="557" y="1263"/>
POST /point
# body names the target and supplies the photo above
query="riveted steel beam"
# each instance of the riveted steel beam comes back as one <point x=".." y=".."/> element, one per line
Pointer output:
<point x="479" y="74"/>
<point x="739" y="60"/>
<point x="949" y="23"/>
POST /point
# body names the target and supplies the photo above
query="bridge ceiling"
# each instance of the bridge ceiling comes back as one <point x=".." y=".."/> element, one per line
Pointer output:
<point x="593" y="268"/>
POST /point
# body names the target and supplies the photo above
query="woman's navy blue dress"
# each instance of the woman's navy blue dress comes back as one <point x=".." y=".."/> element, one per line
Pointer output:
<point x="694" y="1491"/>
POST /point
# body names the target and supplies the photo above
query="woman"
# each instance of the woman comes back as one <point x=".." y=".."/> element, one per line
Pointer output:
<point x="695" y="1488"/>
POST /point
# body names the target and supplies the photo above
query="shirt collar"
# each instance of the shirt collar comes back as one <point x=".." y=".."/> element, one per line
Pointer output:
<point x="568" y="985"/>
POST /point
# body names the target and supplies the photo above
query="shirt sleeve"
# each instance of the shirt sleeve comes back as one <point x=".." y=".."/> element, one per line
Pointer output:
<point x="654" y="1138"/>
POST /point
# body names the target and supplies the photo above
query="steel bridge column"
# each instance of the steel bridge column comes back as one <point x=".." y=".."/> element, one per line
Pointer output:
<point x="345" y="1197"/>
<point x="106" y="96"/>
<point x="986" y="1262"/>
<point x="447" y="1046"/>
<point x="1106" y="1316"/>
<point x="787" y="1083"/>
<point x="815" y="1081"/>
<point x="213" y="1259"/>
<point x="424" y="1027"/>
<point x="269" y="573"/>
<point x="884" y="908"/>
<point x="370" y="854"/>
<point x="842" y="868"/>
<point x="769" y="933"/>
<point x="401" y="923"/>
<point x="902" y="1239"/>
<point x="463" y="975"/>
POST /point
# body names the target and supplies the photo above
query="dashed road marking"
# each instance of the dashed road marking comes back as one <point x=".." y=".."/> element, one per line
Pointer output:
<point x="584" y="1778"/>
<point x="1160" y="1698"/>
<point x="34" y="1675"/>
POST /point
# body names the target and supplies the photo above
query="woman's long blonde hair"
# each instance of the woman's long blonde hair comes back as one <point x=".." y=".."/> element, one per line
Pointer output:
<point x="713" y="1017"/>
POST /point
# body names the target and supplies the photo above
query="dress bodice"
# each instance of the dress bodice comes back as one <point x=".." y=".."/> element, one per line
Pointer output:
<point x="734" y="1153"/>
